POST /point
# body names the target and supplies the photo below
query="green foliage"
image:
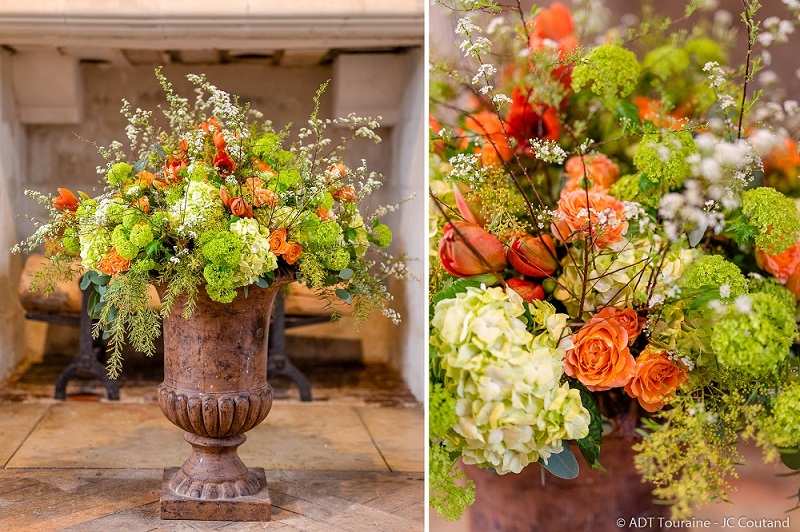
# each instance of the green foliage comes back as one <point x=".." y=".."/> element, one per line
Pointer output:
<point x="590" y="445"/>
<point x="774" y="216"/>
<point x="450" y="492"/>
<point x="609" y="71"/>
<point x="562" y="464"/>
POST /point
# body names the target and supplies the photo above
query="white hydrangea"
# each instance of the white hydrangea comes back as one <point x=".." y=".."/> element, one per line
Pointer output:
<point x="512" y="409"/>
<point x="191" y="213"/>
<point x="257" y="259"/>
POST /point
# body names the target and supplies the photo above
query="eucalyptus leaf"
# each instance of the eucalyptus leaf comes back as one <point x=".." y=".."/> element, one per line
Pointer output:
<point x="346" y="274"/>
<point x="86" y="280"/>
<point x="344" y="295"/>
<point x="563" y="465"/>
<point x="261" y="282"/>
<point x="138" y="167"/>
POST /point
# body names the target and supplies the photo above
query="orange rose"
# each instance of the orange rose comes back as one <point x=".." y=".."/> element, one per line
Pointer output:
<point x="261" y="166"/>
<point x="113" y="263"/>
<point x="293" y="253"/>
<point x="598" y="168"/>
<point x="338" y="168"/>
<point x="323" y="213"/>
<point x="145" y="178"/>
<point x="241" y="208"/>
<point x="495" y="145"/>
<point x="655" y="380"/>
<point x="277" y="241"/>
<point x="252" y="183"/>
<point x="600" y="358"/>
<point x="782" y="265"/>
<point x="66" y="200"/>
<point x="347" y="193"/>
<point x="628" y="318"/>
<point x="262" y="196"/>
<point x="605" y="213"/>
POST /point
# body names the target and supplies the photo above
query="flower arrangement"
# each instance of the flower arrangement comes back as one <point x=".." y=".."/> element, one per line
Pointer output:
<point x="213" y="200"/>
<point x="616" y="231"/>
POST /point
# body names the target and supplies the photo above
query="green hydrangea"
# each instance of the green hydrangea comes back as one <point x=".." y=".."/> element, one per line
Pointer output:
<point x="783" y="426"/>
<point x="705" y="50"/>
<point x="289" y="178"/>
<point x="442" y="411"/>
<point x="219" y="283"/>
<point x="666" y="62"/>
<point x="664" y="157"/>
<point x="327" y="201"/>
<point x="612" y="71"/>
<point x="198" y="208"/>
<point x="71" y="241"/>
<point x="125" y="248"/>
<point x="512" y="408"/>
<point x="774" y="216"/>
<point x="95" y="242"/>
<point x="337" y="260"/>
<point x="714" y="271"/>
<point x="222" y="249"/>
<point x="119" y="174"/>
<point x="133" y="217"/>
<point x="141" y="235"/>
<point x="383" y="235"/>
<point x="256" y="257"/>
<point x="325" y="235"/>
<point x="754" y="335"/>
<point x="770" y="285"/>
<point x="626" y="188"/>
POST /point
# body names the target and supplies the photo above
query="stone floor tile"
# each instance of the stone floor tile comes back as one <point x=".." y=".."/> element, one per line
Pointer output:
<point x="17" y="420"/>
<point x="399" y="434"/>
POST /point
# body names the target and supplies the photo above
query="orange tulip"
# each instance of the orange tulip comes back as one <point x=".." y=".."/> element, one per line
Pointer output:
<point x="470" y="210"/>
<point x="145" y="179"/>
<point x="241" y="208"/>
<point x="66" y="200"/>
<point x="553" y="28"/>
<point x="459" y="260"/>
<point x="533" y="256"/>
<point x="225" y="197"/>
<point x="224" y="163"/>
<point x="527" y="120"/>
<point x="528" y="290"/>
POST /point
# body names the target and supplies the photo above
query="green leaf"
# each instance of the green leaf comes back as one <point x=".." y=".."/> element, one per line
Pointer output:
<point x="151" y="248"/>
<point x="627" y="109"/>
<point x="86" y="280"/>
<point x="344" y="295"/>
<point x="563" y="465"/>
<point x="91" y="306"/>
<point x="138" y="167"/>
<point x="261" y="282"/>
<point x="791" y="457"/>
<point x="590" y="445"/>
<point x="706" y="294"/>
<point x="346" y="273"/>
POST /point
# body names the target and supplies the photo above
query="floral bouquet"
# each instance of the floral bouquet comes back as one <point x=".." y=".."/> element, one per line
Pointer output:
<point x="212" y="199"/>
<point x="617" y="246"/>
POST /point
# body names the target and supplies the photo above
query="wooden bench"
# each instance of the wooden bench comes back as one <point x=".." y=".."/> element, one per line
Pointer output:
<point x="67" y="306"/>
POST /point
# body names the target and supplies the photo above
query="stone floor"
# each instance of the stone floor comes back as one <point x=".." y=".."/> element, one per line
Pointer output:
<point x="352" y="459"/>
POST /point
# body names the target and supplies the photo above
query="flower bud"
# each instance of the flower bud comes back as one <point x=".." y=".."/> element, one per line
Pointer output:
<point x="533" y="256"/>
<point x="457" y="257"/>
<point x="527" y="290"/>
<point x="470" y="210"/>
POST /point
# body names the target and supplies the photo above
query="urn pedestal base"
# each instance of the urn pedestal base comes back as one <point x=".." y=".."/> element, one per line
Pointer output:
<point x="254" y="507"/>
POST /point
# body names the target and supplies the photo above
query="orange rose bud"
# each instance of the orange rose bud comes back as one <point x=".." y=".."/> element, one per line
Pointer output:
<point x="655" y="380"/>
<point x="600" y="358"/>
<point x="347" y="193"/>
<point x="470" y="210"/>
<point x="528" y="290"/>
<point x="277" y="241"/>
<point x="241" y="208"/>
<point x="459" y="260"/>
<point x="782" y="266"/>
<point x="293" y="253"/>
<point x="599" y="169"/>
<point x="66" y="200"/>
<point x="112" y="263"/>
<point x="533" y="256"/>
<point x="605" y="213"/>
<point x="262" y="196"/>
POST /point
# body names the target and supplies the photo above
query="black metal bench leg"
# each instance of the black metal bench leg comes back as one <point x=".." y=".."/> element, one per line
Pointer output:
<point x="90" y="352"/>
<point x="277" y="361"/>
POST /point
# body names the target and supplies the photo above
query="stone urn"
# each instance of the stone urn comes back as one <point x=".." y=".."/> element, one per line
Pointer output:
<point x="215" y="388"/>
<point x="595" y="501"/>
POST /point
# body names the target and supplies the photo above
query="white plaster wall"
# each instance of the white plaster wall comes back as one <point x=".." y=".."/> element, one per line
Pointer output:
<point x="12" y="157"/>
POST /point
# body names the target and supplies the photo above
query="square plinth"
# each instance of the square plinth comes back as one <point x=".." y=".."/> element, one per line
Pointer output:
<point x="255" y="507"/>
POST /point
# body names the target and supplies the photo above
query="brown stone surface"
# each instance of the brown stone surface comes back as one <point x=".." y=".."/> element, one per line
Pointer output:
<point x="253" y="507"/>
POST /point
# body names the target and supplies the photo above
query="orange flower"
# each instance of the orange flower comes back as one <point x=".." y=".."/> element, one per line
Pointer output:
<point x="293" y="253"/>
<point x="533" y="256"/>
<point x="206" y="126"/>
<point x="144" y="204"/>
<point x="338" y="168"/>
<point x="224" y="163"/>
<point x="145" y="179"/>
<point x="241" y="208"/>
<point x="601" y="170"/>
<point x="495" y="146"/>
<point x="277" y="241"/>
<point x="782" y="265"/>
<point x="112" y="263"/>
<point x="253" y="183"/>
<point x="176" y="162"/>
<point x="553" y="28"/>
<point x="527" y="120"/>
<point x="219" y="140"/>
<point x="784" y="159"/>
<point x="225" y="197"/>
<point x="457" y="257"/>
<point x="263" y="196"/>
<point x="470" y="210"/>
<point x="627" y="318"/>
<point x="347" y="193"/>
<point x="66" y="200"/>
<point x="606" y="214"/>
<point x="655" y="380"/>
<point x="650" y="110"/>
<point x="527" y="290"/>
<point x="261" y="166"/>
<point x="600" y="358"/>
<point x="323" y="213"/>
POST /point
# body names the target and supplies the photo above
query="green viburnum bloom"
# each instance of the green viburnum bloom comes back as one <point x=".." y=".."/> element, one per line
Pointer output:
<point x="119" y="174"/>
<point x="705" y="50"/>
<point x="383" y="235"/>
<point x="126" y="249"/>
<point x="783" y="426"/>
<point x="774" y="216"/>
<point x="337" y="260"/>
<point x="666" y="61"/>
<point x="511" y="408"/>
<point x="664" y="157"/>
<point x="141" y="235"/>
<point x="754" y="334"/>
<point x="609" y="70"/>
<point x="714" y="271"/>
<point x="770" y="285"/>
